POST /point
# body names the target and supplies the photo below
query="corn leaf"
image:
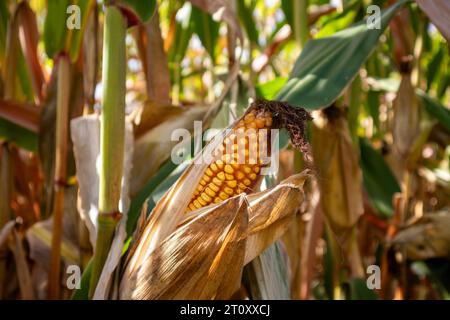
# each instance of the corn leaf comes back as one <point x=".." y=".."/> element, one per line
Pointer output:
<point x="245" y="11"/>
<point x="207" y="30"/>
<point x="318" y="77"/>
<point x="75" y="36"/>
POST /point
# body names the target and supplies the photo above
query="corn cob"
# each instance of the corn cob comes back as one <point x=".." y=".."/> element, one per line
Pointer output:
<point x="240" y="161"/>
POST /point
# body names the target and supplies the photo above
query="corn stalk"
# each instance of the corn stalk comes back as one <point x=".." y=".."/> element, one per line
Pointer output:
<point x="62" y="131"/>
<point x="111" y="137"/>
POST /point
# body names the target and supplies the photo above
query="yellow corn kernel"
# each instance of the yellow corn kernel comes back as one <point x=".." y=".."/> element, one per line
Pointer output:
<point x="209" y="172"/>
<point x="240" y="175"/>
<point x="223" y="196"/>
<point x="228" y="191"/>
<point x="229" y="177"/>
<point x="238" y="164"/>
<point x="197" y="204"/>
<point x="201" y="201"/>
<point x="218" y="182"/>
<point x="231" y="183"/>
<point x="210" y="192"/>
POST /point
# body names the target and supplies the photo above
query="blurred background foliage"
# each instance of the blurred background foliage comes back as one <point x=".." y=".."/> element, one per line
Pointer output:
<point x="380" y="135"/>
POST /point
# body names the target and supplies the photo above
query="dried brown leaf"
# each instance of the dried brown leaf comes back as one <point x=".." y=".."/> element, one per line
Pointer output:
<point x="439" y="13"/>
<point x="406" y="117"/>
<point x="339" y="174"/>
<point x="202" y="259"/>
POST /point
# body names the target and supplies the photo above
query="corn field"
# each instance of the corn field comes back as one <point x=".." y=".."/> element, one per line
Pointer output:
<point x="225" y="149"/>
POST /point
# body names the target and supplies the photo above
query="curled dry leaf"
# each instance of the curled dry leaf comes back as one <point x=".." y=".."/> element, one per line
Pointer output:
<point x="339" y="174"/>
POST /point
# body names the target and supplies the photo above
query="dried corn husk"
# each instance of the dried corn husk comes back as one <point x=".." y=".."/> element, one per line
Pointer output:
<point x="204" y="255"/>
<point x="339" y="174"/>
<point x="154" y="145"/>
<point x="172" y="231"/>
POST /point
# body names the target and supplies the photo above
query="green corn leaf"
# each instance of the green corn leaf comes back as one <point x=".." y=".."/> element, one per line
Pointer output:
<point x="4" y="17"/>
<point x="358" y="290"/>
<point x="326" y="66"/>
<point x="76" y="35"/>
<point x="245" y="12"/>
<point x="207" y="30"/>
<point x="435" y="65"/>
<point x="55" y="28"/>
<point x="435" y="109"/>
<point x="18" y="135"/>
<point x="83" y="292"/>
<point x="269" y="90"/>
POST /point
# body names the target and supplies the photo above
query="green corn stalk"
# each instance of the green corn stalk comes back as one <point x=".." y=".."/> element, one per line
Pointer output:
<point x="111" y="137"/>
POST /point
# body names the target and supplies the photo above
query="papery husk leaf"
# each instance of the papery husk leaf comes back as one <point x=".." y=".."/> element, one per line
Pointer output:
<point x="268" y="215"/>
<point x="267" y="275"/>
<point x="168" y="212"/>
<point x="39" y="236"/>
<point x="406" y="117"/>
<point x="202" y="259"/>
<point x="271" y="211"/>
<point x="90" y="50"/>
<point x="339" y="174"/>
<point x="39" y="240"/>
